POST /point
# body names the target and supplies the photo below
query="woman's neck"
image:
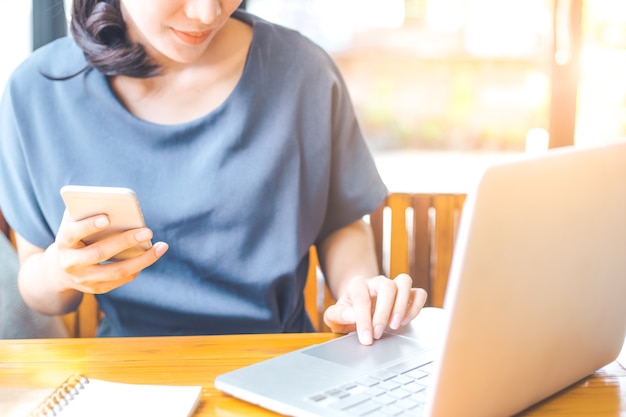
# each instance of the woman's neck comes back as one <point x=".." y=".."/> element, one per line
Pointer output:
<point x="185" y="92"/>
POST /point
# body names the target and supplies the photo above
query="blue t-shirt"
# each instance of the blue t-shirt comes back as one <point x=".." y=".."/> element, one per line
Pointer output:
<point x="239" y="194"/>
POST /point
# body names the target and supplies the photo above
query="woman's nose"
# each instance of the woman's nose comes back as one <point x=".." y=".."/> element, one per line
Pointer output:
<point x="205" y="11"/>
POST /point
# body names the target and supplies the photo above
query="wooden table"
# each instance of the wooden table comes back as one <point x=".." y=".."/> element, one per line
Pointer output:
<point x="196" y="360"/>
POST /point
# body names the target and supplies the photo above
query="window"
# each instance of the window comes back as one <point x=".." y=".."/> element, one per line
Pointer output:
<point x="443" y="87"/>
<point x="444" y="74"/>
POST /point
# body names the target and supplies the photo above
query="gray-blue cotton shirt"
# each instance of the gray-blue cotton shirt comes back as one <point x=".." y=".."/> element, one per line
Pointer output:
<point x="239" y="194"/>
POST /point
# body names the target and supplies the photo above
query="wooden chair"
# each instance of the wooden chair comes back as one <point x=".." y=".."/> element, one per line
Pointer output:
<point x="414" y="234"/>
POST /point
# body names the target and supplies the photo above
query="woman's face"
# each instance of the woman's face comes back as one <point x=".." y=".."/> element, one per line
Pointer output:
<point x="176" y="30"/>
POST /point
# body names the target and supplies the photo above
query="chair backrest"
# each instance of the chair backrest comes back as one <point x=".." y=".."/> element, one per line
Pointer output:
<point x="414" y="234"/>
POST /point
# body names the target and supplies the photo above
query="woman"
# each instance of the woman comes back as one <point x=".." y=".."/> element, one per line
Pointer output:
<point x="240" y="140"/>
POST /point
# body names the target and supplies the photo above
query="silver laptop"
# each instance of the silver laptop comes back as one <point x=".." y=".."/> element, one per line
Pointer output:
<point x="536" y="301"/>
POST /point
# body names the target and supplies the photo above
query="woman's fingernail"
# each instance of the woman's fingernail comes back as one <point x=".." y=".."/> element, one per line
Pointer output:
<point x="378" y="331"/>
<point x="142" y="235"/>
<point x="101" y="222"/>
<point x="365" y="337"/>
<point x="395" y="321"/>
<point x="160" y="248"/>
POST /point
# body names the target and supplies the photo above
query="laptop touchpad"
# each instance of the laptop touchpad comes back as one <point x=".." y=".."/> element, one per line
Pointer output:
<point x="349" y="352"/>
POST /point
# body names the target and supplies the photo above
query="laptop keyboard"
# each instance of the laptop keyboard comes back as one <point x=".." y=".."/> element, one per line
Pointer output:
<point x="399" y="390"/>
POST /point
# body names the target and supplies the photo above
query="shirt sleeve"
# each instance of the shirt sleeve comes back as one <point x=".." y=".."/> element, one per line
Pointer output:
<point x="356" y="188"/>
<point x="18" y="201"/>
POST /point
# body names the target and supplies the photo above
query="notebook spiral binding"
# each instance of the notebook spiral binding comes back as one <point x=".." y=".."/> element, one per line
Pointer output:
<point x="53" y="404"/>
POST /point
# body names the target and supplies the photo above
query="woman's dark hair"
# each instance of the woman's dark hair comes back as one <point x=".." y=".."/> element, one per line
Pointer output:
<point x="100" y="31"/>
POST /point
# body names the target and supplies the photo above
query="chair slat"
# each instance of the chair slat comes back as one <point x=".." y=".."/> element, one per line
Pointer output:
<point x="70" y="321"/>
<point x="444" y="244"/>
<point x="399" y="242"/>
<point x="311" y="290"/>
<point x="420" y="271"/>
<point x="89" y="316"/>
<point x="376" y="221"/>
<point x="448" y="209"/>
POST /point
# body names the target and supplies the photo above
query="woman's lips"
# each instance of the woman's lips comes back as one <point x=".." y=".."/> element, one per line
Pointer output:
<point x="192" y="38"/>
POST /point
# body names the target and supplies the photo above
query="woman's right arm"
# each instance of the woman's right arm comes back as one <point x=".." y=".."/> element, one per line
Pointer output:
<point x="38" y="289"/>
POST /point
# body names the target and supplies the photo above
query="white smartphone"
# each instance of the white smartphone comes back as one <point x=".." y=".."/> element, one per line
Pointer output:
<point x="119" y="203"/>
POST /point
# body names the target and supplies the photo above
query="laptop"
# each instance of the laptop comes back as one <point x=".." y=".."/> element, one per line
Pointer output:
<point x="535" y="302"/>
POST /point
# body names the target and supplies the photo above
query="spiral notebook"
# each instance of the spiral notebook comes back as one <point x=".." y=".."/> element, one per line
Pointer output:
<point x="80" y="396"/>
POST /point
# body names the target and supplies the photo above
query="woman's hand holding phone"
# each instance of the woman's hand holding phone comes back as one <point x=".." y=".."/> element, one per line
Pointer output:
<point x="102" y="242"/>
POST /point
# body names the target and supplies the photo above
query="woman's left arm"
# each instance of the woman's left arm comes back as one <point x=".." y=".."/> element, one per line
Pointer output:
<point x="366" y="301"/>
